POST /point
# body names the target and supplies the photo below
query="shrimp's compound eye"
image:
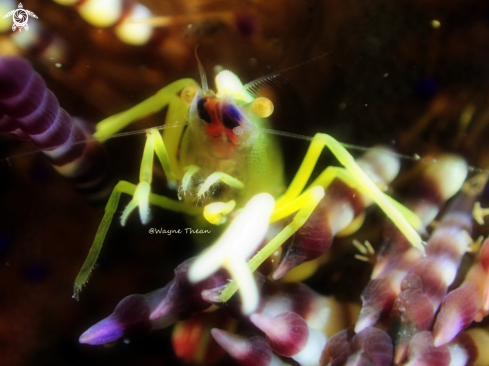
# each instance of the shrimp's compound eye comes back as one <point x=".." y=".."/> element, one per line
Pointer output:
<point x="188" y="93"/>
<point x="202" y="111"/>
<point x="230" y="116"/>
<point x="261" y="107"/>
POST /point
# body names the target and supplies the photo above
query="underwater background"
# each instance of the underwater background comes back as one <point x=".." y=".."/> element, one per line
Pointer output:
<point x="413" y="75"/>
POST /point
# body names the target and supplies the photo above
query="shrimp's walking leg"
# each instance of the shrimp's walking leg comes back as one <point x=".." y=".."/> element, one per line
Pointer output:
<point x="141" y="195"/>
<point x="324" y="180"/>
<point x="166" y="152"/>
<point x="150" y="106"/>
<point x="219" y="176"/>
<point x="154" y="144"/>
<point x="191" y="170"/>
<point x="330" y="173"/>
<point x="177" y="112"/>
<point x="110" y="209"/>
<point x="308" y="200"/>
<point x="357" y="177"/>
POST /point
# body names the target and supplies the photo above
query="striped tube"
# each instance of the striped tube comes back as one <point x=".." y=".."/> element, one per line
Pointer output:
<point x="31" y="111"/>
<point x="466" y="303"/>
<point x="371" y="346"/>
<point x="433" y="187"/>
<point x="426" y="283"/>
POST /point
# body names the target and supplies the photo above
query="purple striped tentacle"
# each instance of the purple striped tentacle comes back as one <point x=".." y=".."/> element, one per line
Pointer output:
<point x="30" y="110"/>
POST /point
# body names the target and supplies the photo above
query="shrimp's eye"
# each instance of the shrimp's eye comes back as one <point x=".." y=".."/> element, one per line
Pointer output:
<point x="202" y="111"/>
<point x="261" y="107"/>
<point x="230" y="116"/>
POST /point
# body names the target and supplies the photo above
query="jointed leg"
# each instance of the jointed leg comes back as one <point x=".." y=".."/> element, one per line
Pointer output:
<point x="191" y="170"/>
<point x="164" y="97"/>
<point x="330" y="173"/>
<point x="154" y="143"/>
<point x="219" y="176"/>
<point x="187" y="177"/>
<point x="309" y="200"/>
<point x="110" y="209"/>
<point x="141" y="195"/>
<point x="362" y="182"/>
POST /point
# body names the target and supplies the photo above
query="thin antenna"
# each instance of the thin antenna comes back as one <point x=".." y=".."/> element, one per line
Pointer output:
<point x="263" y="130"/>
<point x="203" y="78"/>
<point x="266" y="79"/>
<point x="304" y="63"/>
<point x="98" y="138"/>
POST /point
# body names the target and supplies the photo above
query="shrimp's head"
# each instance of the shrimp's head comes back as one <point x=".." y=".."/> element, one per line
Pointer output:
<point x="226" y="119"/>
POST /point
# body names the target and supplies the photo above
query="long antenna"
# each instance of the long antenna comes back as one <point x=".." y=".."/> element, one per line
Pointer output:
<point x="203" y="78"/>
<point x="253" y="85"/>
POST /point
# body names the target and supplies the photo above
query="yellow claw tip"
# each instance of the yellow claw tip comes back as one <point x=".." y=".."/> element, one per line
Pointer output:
<point x="124" y="218"/>
<point x="216" y="212"/>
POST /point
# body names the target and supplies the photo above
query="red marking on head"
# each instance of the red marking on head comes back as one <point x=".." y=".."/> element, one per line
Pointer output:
<point x="216" y="127"/>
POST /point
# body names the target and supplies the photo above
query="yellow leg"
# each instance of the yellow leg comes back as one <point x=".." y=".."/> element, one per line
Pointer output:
<point x="110" y="209"/>
<point x="210" y="180"/>
<point x="216" y="212"/>
<point x="187" y="178"/>
<point x="163" y="157"/>
<point x="176" y="114"/>
<point x="218" y="176"/>
<point x="362" y="181"/>
<point x="325" y="179"/>
<point x="309" y="200"/>
<point x="141" y="195"/>
<point x="152" y="105"/>
<point x="330" y="173"/>
<point x="154" y="143"/>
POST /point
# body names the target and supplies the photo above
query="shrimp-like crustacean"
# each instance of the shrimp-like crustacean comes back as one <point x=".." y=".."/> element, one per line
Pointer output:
<point x="221" y="153"/>
<point x="221" y="156"/>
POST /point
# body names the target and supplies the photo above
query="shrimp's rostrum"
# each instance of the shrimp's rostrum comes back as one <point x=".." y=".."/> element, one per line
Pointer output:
<point x="216" y="153"/>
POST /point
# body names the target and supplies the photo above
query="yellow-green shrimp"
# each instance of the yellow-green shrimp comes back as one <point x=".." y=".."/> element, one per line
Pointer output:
<point x="217" y="155"/>
<point x="213" y="154"/>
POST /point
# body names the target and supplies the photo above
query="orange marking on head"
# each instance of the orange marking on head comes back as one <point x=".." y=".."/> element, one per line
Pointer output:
<point x="216" y="128"/>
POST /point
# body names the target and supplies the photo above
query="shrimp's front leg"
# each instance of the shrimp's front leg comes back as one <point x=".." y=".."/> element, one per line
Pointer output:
<point x="110" y="209"/>
<point x="142" y="196"/>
